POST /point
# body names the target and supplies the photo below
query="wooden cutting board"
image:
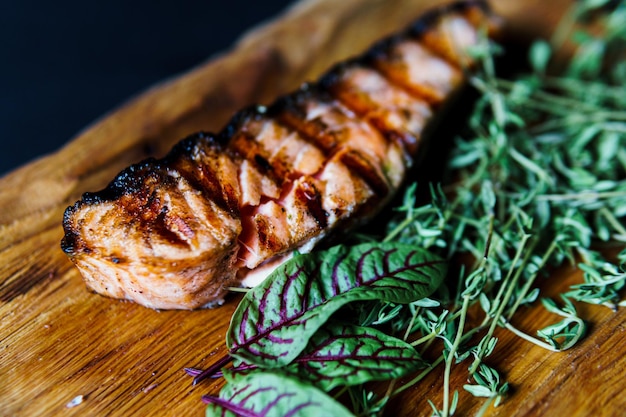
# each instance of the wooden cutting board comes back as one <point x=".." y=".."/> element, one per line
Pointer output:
<point x="59" y="342"/>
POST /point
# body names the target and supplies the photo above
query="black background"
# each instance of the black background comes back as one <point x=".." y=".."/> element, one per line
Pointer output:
<point x="66" y="63"/>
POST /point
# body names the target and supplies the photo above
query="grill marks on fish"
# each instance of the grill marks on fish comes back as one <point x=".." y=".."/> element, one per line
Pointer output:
<point x="387" y="107"/>
<point x="172" y="233"/>
<point x="337" y="131"/>
<point x="203" y="162"/>
<point x="419" y="71"/>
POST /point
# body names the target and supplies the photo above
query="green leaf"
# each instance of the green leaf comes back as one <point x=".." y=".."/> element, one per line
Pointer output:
<point x="540" y="52"/>
<point x="346" y="355"/>
<point x="274" y="322"/>
<point x="341" y="354"/>
<point x="479" y="390"/>
<point x="264" y="394"/>
<point x="426" y="302"/>
<point x="567" y="332"/>
<point x="487" y="196"/>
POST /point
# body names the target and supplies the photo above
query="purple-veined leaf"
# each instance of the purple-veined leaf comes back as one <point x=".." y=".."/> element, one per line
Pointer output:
<point x="274" y="322"/>
<point x="264" y="394"/>
<point x="344" y="355"/>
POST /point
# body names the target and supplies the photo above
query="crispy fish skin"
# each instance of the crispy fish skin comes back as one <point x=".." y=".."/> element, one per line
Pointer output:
<point x="173" y="233"/>
<point x="152" y="236"/>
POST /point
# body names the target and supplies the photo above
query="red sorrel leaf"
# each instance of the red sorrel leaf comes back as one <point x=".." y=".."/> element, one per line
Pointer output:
<point x="275" y="321"/>
<point x="264" y="394"/>
<point x="344" y="355"/>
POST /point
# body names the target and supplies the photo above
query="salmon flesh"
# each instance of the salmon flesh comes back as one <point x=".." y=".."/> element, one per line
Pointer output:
<point x="225" y="209"/>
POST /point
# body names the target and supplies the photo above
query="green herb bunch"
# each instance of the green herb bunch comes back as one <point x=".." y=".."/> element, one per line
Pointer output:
<point x="538" y="182"/>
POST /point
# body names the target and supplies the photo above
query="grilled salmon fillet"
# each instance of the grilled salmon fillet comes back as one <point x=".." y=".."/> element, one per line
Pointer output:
<point x="222" y="209"/>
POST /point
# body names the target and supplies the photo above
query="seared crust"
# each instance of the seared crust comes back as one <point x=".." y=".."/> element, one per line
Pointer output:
<point x="152" y="235"/>
<point x="172" y="233"/>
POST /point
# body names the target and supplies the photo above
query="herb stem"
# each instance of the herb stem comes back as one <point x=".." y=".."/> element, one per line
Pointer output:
<point x="237" y="289"/>
<point x="223" y="361"/>
<point x="419" y="377"/>
<point x="383" y="401"/>
<point x="483" y="409"/>
<point x="529" y="282"/>
<point x="619" y="228"/>
<point x="451" y="355"/>
<point x="507" y="325"/>
<point x="407" y="222"/>
<point x="410" y="326"/>
<point x="342" y="391"/>
<point x="465" y="337"/>
<point x="578" y="85"/>
<point x="583" y="195"/>
<point x="579" y="122"/>
<point x="430" y="336"/>
<point x="503" y="301"/>
<point x="543" y="97"/>
<point x="468" y="335"/>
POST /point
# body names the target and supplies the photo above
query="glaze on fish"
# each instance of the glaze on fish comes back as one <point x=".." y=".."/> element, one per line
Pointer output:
<point x="226" y="208"/>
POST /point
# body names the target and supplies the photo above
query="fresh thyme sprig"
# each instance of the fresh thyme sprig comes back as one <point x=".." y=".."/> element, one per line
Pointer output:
<point x="539" y="181"/>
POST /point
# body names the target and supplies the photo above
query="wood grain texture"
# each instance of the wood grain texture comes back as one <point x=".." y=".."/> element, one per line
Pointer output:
<point x="58" y="341"/>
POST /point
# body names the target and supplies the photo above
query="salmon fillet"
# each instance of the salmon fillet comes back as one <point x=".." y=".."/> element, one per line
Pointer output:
<point x="225" y="209"/>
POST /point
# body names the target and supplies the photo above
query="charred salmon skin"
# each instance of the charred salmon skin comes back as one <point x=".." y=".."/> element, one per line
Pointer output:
<point x="222" y="209"/>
